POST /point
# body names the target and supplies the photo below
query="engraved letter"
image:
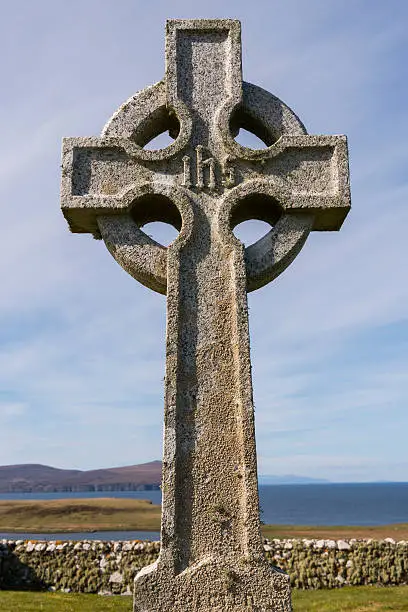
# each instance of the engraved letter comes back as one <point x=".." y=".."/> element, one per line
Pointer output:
<point x="186" y="171"/>
<point x="200" y="175"/>
<point x="229" y="176"/>
<point x="211" y="163"/>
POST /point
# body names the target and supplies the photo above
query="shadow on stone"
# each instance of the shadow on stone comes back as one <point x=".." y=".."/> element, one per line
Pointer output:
<point x="16" y="575"/>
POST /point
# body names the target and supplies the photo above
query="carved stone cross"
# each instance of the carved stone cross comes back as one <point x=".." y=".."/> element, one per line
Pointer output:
<point x="204" y="184"/>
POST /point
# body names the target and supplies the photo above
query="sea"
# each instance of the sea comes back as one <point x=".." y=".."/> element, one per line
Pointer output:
<point x="291" y="504"/>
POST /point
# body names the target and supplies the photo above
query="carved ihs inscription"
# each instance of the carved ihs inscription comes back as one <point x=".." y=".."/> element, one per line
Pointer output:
<point x="205" y="175"/>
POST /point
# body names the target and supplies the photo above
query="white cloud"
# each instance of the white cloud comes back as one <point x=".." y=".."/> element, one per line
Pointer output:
<point x="11" y="410"/>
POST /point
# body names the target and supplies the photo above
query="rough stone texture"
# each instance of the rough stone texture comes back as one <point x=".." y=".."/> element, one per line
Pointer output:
<point x="204" y="184"/>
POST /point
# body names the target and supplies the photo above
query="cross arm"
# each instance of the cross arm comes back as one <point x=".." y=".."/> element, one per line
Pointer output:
<point x="298" y="184"/>
<point x="306" y="174"/>
<point x="98" y="175"/>
<point x="82" y="202"/>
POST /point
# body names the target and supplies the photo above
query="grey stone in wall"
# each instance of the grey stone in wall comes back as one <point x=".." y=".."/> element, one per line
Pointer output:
<point x="110" y="567"/>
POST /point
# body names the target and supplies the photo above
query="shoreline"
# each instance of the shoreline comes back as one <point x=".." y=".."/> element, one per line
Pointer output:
<point x="269" y="532"/>
<point x="81" y="516"/>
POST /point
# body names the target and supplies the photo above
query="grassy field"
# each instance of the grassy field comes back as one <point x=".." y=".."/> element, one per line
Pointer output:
<point x="379" y="532"/>
<point x="104" y="514"/>
<point x="113" y="514"/>
<point x="358" y="599"/>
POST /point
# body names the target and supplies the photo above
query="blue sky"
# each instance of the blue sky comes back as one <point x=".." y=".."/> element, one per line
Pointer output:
<point x="82" y="343"/>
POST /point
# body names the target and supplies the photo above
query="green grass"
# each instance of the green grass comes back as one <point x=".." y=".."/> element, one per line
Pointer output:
<point x="357" y="599"/>
<point x="12" y="601"/>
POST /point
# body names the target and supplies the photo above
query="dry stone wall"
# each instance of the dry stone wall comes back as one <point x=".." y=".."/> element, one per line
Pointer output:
<point x="109" y="567"/>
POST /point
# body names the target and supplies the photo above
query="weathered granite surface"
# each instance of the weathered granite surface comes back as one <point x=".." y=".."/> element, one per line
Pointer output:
<point x="204" y="184"/>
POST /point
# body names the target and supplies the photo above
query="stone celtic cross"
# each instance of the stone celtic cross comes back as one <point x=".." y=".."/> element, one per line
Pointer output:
<point x="204" y="184"/>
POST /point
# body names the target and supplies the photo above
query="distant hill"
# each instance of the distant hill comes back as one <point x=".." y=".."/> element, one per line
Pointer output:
<point x="36" y="478"/>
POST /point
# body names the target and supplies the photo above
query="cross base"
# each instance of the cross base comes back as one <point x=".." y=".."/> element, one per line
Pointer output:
<point x="213" y="586"/>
